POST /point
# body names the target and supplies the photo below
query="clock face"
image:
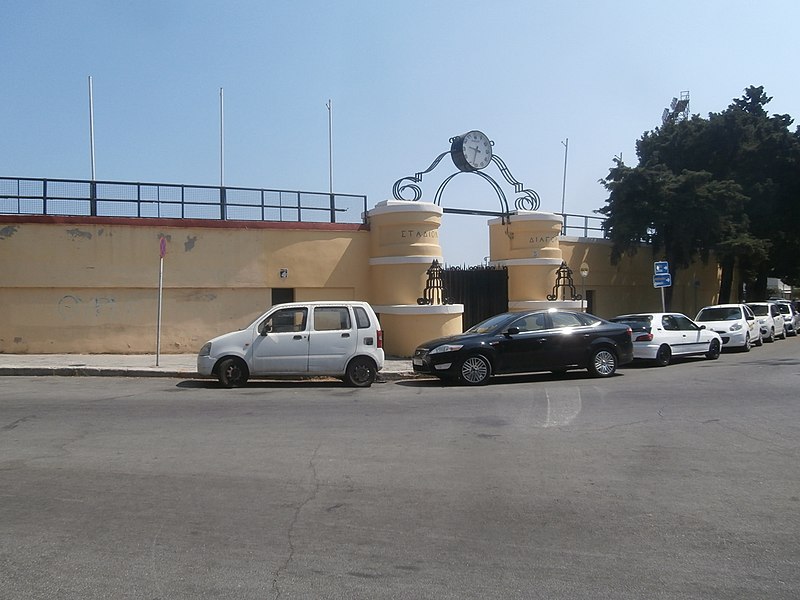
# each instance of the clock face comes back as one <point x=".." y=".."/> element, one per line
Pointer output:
<point x="477" y="149"/>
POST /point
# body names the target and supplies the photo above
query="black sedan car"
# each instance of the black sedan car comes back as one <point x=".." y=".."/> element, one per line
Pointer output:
<point x="522" y="342"/>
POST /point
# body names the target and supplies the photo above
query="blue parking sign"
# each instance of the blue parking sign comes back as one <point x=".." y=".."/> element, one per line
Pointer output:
<point x="662" y="280"/>
<point x="660" y="267"/>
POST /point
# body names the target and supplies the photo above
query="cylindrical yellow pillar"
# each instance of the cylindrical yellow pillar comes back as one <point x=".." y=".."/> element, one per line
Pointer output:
<point x="527" y="244"/>
<point x="404" y="241"/>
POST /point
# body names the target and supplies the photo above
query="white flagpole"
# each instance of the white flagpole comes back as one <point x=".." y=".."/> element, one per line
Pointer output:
<point x="221" y="138"/>
<point x="91" y="126"/>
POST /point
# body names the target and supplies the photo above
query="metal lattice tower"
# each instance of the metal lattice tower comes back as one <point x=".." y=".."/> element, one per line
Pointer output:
<point x="678" y="109"/>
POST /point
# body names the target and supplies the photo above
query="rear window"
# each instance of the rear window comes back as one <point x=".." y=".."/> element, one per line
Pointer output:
<point x="635" y="322"/>
<point x="731" y="313"/>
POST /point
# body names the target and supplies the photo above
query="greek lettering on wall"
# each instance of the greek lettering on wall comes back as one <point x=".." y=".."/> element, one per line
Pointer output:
<point x="534" y="240"/>
<point x="409" y="236"/>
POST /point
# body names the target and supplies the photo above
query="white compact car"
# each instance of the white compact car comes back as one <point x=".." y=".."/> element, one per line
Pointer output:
<point x="660" y="336"/>
<point x="791" y="318"/>
<point x="339" y="339"/>
<point x="735" y="323"/>
<point x="770" y="319"/>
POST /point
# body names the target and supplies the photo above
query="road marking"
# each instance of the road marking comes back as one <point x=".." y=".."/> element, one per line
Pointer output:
<point x="563" y="405"/>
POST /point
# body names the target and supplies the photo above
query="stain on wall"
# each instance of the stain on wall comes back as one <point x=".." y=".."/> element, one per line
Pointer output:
<point x="188" y="245"/>
<point x="8" y="231"/>
<point x="78" y="234"/>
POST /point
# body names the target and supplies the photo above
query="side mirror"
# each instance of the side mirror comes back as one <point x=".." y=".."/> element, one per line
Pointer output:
<point x="512" y="331"/>
<point x="702" y="326"/>
<point x="267" y="328"/>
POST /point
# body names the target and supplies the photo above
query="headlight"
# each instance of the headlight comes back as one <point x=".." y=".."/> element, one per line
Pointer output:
<point x="206" y="350"/>
<point x="446" y="348"/>
<point x="736" y="327"/>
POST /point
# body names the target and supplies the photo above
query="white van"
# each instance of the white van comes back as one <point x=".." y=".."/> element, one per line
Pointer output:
<point x="341" y="339"/>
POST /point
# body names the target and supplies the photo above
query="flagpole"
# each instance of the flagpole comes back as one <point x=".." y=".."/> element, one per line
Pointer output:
<point x="221" y="138"/>
<point x="91" y="126"/>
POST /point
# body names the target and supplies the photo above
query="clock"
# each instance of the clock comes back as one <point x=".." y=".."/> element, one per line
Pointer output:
<point x="471" y="151"/>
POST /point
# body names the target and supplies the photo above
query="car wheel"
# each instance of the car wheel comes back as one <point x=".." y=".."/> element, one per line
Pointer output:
<point x="713" y="350"/>
<point x="771" y="337"/>
<point x="602" y="363"/>
<point x="360" y="372"/>
<point x="759" y="341"/>
<point x="746" y="347"/>
<point x="663" y="356"/>
<point x="475" y="370"/>
<point x="232" y="373"/>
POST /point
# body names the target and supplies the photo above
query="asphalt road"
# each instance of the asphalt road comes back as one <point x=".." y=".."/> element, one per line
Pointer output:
<point x="659" y="483"/>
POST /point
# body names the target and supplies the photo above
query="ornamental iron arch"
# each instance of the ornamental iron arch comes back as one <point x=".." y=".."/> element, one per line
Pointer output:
<point x="527" y="199"/>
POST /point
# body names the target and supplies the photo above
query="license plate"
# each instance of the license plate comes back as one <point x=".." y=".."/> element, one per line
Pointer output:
<point x="417" y="362"/>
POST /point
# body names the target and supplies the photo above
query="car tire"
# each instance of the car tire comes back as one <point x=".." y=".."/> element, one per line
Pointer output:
<point x="759" y="341"/>
<point x="232" y="372"/>
<point x="771" y="337"/>
<point x="474" y="370"/>
<point x="746" y="347"/>
<point x="361" y="372"/>
<point x="783" y="337"/>
<point x="713" y="350"/>
<point x="602" y="362"/>
<point x="663" y="356"/>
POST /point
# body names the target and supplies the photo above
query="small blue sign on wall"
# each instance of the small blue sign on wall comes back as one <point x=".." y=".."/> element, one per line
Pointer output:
<point x="660" y="267"/>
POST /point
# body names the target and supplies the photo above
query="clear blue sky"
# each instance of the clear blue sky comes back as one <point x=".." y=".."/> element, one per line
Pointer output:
<point x="404" y="77"/>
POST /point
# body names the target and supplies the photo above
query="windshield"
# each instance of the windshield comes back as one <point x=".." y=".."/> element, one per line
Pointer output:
<point x="760" y="310"/>
<point x="489" y="324"/>
<point x="720" y="313"/>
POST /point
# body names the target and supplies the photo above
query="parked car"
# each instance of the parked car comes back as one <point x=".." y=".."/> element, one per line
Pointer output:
<point x="770" y="320"/>
<point x="340" y="339"/>
<point x="523" y="342"/>
<point x="791" y="317"/>
<point x="660" y="336"/>
<point x="735" y="323"/>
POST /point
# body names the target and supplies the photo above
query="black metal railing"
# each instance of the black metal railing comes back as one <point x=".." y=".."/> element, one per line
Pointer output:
<point x="587" y="226"/>
<point x="72" y="197"/>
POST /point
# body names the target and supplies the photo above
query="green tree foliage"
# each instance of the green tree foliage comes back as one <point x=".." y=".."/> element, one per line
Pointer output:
<point x="728" y="184"/>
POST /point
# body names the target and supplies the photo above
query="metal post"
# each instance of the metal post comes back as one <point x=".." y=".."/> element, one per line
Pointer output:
<point x="564" y="185"/>
<point x="160" y="294"/>
<point x="221" y="138"/>
<point x="91" y="126"/>
<point x="329" y="104"/>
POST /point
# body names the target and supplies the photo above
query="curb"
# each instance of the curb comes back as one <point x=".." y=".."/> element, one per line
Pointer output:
<point x="121" y="372"/>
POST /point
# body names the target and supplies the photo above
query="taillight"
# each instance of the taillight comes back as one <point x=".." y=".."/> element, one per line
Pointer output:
<point x="380" y="338"/>
<point x="645" y="337"/>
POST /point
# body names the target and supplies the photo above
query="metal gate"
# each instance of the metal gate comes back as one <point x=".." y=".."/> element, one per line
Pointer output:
<point x="482" y="290"/>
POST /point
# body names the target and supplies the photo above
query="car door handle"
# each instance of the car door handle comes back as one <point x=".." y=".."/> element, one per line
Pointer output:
<point x="298" y="337"/>
<point x="345" y="335"/>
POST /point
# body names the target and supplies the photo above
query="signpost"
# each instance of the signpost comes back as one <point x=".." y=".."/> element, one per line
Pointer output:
<point x="584" y="275"/>
<point x="662" y="279"/>
<point x="162" y="251"/>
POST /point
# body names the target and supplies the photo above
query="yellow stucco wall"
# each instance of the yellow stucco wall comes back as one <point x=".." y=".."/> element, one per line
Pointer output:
<point x="91" y="285"/>
<point x="628" y="285"/>
<point x="81" y="284"/>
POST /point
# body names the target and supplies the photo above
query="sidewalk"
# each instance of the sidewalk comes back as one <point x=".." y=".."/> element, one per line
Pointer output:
<point x="138" y="365"/>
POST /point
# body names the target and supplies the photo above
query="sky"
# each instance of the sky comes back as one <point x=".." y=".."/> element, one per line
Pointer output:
<point x="402" y="77"/>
